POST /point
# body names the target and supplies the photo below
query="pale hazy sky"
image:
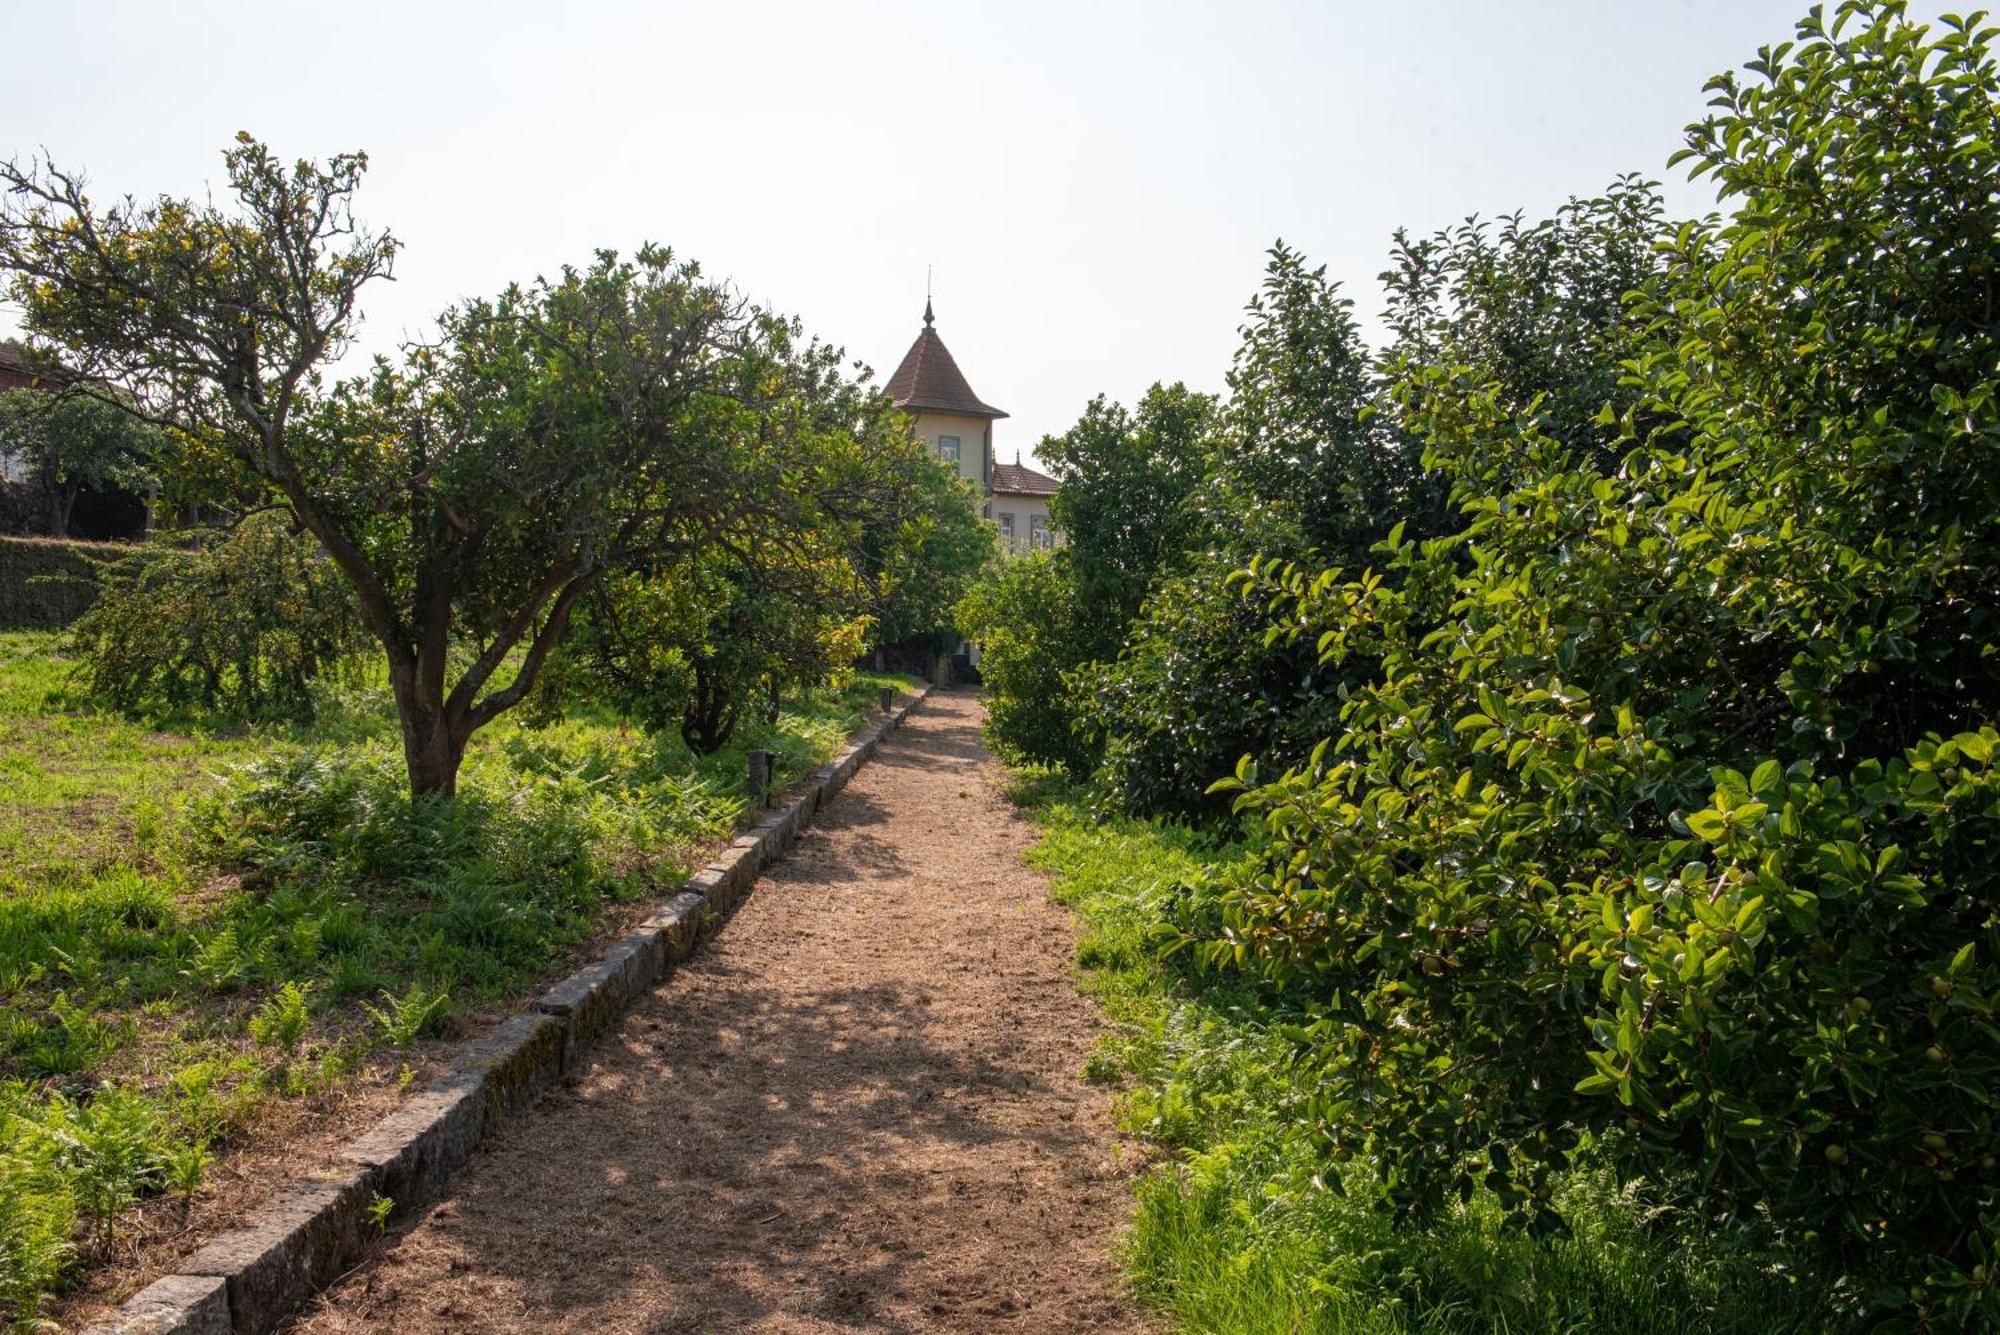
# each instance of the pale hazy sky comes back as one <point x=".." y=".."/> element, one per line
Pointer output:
<point x="1095" y="183"/>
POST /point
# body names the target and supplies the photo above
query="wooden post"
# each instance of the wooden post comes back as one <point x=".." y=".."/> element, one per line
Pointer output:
<point x="888" y="694"/>
<point x="760" y="778"/>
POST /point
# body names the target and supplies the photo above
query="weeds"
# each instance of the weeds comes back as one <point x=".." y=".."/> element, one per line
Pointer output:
<point x="403" y="1019"/>
<point x="380" y="1207"/>
<point x="111" y="1150"/>
<point x="66" y="1040"/>
<point x="186" y="1168"/>
<point x="281" y="1021"/>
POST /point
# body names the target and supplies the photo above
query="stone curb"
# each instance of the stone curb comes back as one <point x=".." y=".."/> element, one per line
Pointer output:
<point x="248" y="1280"/>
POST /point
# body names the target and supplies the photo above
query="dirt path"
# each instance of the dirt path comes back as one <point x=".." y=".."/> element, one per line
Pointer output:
<point x="858" y="1108"/>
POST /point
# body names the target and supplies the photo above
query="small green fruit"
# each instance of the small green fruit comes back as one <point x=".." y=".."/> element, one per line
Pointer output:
<point x="1934" y="1141"/>
<point x="1941" y="986"/>
<point x="1836" y="1154"/>
<point x="1934" y="1055"/>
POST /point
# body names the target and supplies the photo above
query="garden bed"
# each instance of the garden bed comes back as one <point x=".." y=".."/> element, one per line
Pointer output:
<point x="223" y="951"/>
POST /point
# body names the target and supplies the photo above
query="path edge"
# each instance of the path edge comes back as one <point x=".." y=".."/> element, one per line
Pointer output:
<point x="249" y="1279"/>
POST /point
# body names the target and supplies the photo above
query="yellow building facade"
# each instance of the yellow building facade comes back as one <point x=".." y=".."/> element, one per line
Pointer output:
<point x="957" y="426"/>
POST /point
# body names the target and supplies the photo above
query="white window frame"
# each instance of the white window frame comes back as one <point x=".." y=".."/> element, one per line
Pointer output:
<point x="1007" y="528"/>
<point x="1038" y="532"/>
<point x="948" y="449"/>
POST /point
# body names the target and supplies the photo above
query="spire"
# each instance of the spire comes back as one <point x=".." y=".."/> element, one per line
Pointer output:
<point x="929" y="378"/>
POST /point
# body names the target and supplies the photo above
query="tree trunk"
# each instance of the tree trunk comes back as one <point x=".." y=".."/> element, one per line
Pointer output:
<point x="711" y="710"/>
<point x="432" y="746"/>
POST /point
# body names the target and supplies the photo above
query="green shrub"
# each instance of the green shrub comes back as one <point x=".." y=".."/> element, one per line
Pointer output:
<point x="1541" y="311"/>
<point x="1129" y="504"/>
<point x="246" y="624"/>
<point x="1198" y="686"/>
<point x="1243" y="1227"/>
<point x="1664" y="831"/>
<point x="1026" y="620"/>
<point x="1307" y="460"/>
<point x="703" y="644"/>
<point x="47" y="582"/>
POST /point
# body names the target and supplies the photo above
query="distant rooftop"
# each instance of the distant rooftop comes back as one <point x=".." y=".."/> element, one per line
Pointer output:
<point x="1017" y="479"/>
<point x="929" y="378"/>
<point x="15" y="357"/>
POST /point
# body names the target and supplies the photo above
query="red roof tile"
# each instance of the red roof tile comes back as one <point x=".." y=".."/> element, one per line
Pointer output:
<point x="929" y="378"/>
<point x="1019" y="480"/>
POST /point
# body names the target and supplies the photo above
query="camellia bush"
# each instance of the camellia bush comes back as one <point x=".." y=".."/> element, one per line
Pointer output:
<point x="1197" y="686"/>
<point x="1664" y="831"/>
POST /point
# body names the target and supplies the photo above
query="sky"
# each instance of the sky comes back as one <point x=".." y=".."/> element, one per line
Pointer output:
<point x="1092" y="186"/>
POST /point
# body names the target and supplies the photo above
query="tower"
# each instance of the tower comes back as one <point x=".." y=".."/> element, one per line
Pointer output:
<point x="955" y="422"/>
<point x="957" y="426"/>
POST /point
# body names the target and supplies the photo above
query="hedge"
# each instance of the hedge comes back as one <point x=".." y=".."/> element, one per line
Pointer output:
<point x="49" y="581"/>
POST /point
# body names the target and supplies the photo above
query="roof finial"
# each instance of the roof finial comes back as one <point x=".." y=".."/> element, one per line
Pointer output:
<point x="927" y="297"/>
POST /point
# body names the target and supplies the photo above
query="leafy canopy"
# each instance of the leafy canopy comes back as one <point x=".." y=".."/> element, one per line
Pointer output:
<point x="607" y="420"/>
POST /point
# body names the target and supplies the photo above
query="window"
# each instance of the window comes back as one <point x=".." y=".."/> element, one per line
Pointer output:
<point x="1007" y="528"/>
<point x="948" y="449"/>
<point x="1038" y="531"/>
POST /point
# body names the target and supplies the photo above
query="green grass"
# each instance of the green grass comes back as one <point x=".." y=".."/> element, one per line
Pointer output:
<point x="196" y="917"/>
<point x="1243" y="1226"/>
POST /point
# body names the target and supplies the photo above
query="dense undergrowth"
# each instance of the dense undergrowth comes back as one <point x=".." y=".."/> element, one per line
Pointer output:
<point x="1244" y="1224"/>
<point x="196" y="918"/>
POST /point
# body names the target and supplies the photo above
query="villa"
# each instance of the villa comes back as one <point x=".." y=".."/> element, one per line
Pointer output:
<point x="958" y="427"/>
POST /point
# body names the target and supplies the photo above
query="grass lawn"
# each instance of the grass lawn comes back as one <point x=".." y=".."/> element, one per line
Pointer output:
<point x="200" y="923"/>
<point x="1244" y="1227"/>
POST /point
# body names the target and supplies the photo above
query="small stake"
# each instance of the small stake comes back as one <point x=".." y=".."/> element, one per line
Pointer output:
<point x="888" y="698"/>
<point x="760" y="778"/>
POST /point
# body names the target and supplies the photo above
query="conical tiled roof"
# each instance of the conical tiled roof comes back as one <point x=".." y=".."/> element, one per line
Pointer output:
<point x="929" y="378"/>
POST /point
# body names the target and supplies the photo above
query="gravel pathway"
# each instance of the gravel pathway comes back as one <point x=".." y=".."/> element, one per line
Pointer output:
<point x="858" y="1108"/>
